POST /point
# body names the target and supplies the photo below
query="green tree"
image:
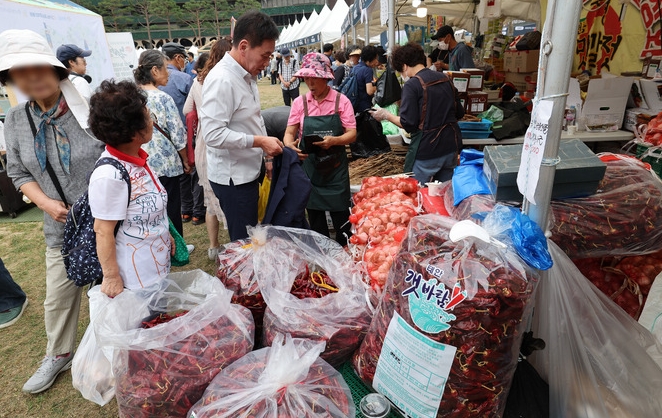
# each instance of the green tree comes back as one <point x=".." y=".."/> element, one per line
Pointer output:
<point x="115" y="14"/>
<point x="243" y="6"/>
<point x="145" y="9"/>
<point x="197" y="12"/>
<point x="219" y="15"/>
<point x="169" y="11"/>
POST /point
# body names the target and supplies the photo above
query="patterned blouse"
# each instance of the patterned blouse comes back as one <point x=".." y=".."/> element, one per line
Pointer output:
<point x="163" y="158"/>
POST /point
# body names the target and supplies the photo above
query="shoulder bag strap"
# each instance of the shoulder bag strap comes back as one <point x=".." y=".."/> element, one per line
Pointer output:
<point x="167" y="135"/>
<point x="49" y="168"/>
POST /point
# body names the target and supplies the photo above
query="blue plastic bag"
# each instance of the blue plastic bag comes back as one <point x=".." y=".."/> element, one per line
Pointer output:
<point x="507" y="223"/>
<point x="468" y="177"/>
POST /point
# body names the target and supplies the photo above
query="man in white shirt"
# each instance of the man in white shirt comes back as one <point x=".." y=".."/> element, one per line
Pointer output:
<point x="73" y="58"/>
<point x="232" y="125"/>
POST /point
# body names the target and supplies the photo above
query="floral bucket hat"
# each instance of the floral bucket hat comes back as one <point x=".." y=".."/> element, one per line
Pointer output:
<point x="315" y="65"/>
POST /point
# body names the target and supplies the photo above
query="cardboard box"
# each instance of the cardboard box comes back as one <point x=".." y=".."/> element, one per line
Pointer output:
<point x="604" y="107"/>
<point x="476" y="78"/>
<point x="578" y="174"/>
<point x="476" y="102"/>
<point x="463" y="99"/>
<point x="521" y="61"/>
<point x="523" y="81"/>
<point x="459" y="79"/>
<point x="652" y="92"/>
<point x="636" y="116"/>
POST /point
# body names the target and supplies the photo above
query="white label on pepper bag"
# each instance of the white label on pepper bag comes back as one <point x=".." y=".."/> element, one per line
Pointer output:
<point x="412" y="369"/>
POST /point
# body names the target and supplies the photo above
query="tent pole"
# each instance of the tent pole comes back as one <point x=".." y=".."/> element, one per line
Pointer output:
<point x="367" y="28"/>
<point x="559" y="37"/>
<point x="391" y="25"/>
<point x="354" y="35"/>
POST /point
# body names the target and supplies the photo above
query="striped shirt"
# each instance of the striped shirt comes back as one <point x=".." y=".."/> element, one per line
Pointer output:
<point x="287" y="71"/>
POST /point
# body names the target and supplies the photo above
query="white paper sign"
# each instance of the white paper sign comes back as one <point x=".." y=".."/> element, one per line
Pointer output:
<point x="412" y="369"/>
<point x="123" y="54"/>
<point x="533" y="149"/>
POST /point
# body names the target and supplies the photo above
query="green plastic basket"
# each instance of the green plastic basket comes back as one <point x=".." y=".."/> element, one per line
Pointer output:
<point x="359" y="389"/>
<point x="654" y="161"/>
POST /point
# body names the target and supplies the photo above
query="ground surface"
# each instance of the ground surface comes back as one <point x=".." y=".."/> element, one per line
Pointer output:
<point x="23" y="344"/>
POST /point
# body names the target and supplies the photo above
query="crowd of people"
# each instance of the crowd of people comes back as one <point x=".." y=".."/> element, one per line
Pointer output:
<point x="191" y="137"/>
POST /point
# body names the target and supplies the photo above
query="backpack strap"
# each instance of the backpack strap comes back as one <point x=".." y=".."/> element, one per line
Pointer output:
<point x="120" y="167"/>
<point x="49" y="167"/>
<point x="425" y="86"/>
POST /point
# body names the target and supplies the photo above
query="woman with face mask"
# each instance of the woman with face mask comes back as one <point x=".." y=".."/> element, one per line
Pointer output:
<point x="429" y="110"/>
<point x="460" y="55"/>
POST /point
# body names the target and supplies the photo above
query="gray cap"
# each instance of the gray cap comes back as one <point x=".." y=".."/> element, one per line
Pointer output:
<point x="173" y="48"/>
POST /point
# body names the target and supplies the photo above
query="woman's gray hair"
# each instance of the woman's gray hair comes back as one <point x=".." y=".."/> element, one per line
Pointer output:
<point x="148" y="60"/>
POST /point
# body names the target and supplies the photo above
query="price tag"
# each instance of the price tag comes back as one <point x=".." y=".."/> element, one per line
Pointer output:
<point x="533" y="149"/>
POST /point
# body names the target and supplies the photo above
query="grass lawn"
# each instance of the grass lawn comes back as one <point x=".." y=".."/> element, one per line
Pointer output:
<point x="22" y="345"/>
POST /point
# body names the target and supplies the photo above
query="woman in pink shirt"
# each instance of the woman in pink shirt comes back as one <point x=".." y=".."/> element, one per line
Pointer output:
<point x="320" y="125"/>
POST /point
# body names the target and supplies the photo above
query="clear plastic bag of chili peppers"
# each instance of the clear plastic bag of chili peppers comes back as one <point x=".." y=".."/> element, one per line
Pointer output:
<point x="284" y="380"/>
<point x="189" y="331"/>
<point x="313" y="290"/>
<point x="465" y="299"/>
<point x="235" y="270"/>
<point x="622" y="218"/>
<point x="470" y="205"/>
<point x="598" y="359"/>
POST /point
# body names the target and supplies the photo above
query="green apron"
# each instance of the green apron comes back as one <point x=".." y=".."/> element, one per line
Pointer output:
<point x="416" y="137"/>
<point x="328" y="170"/>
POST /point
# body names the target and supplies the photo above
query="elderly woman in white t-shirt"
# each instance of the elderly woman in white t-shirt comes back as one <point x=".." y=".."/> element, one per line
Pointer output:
<point x="135" y="254"/>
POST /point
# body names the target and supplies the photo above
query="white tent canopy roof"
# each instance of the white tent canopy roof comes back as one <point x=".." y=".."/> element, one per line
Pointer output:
<point x="331" y="31"/>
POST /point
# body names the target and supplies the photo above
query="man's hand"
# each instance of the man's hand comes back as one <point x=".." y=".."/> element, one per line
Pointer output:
<point x="269" y="166"/>
<point x="112" y="286"/>
<point x="295" y="147"/>
<point x="187" y="168"/>
<point x="269" y="144"/>
<point x="327" y="143"/>
<point x="56" y="210"/>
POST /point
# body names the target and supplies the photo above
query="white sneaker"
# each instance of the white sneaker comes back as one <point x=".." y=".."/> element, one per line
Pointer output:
<point x="190" y="248"/>
<point x="46" y="374"/>
<point x="212" y="253"/>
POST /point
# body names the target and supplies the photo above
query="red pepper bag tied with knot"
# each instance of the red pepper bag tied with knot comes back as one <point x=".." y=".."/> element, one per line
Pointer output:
<point x="452" y="311"/>
<point x="235" y="270"/>
<point x="331" y="305"/>
<point x="288" y="379"/>
<point x="170" y="341"/>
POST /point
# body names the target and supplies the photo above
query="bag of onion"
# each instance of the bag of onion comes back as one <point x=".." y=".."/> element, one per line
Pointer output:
<point x="284" y="380"/>
<point x="452" y="311"/>
<point x="313" y="290"/>
<point x="186" y="332"/>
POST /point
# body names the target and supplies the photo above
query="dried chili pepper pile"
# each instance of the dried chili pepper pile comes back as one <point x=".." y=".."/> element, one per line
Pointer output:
<point x="168" y="382"/>
<point x="161" y="318"/>
<point x="340" y="342"/>
<point x="382" y="211"/>
<point x="487" y="328"/>
<point x="264" y="384"/>
<point x="235" y="271"/>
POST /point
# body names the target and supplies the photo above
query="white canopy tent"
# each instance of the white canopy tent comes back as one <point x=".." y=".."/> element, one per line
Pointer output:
<point x="318" y="28"/>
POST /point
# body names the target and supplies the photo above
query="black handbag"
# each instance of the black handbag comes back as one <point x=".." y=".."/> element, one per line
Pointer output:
<point x="388" y="86"/>
<point x="370" y="138"/>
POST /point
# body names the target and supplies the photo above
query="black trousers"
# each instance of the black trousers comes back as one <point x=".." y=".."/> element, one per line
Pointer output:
<point x="340" y="221"/>
<point x="171" y="185"/>
<point x="239" y="205"/>
<point x="289" y="95"/>
<point x="274" y="77"/>
<point x="193" y="197"/>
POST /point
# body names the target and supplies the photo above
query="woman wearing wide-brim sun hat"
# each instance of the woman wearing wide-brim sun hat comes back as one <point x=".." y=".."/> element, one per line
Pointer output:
<point x="49" y="156"/>
<point x="327" y="115"/>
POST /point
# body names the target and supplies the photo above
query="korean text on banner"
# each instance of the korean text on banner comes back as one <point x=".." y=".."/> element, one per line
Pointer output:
<point x="533" y="149"/>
